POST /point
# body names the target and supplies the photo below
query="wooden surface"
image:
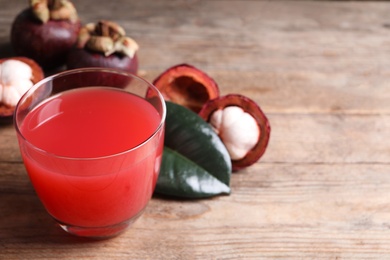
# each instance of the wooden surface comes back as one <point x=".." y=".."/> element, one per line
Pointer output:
<point x="319" y="70"/>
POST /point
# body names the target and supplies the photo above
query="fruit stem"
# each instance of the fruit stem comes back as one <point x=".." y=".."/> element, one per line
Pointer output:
<point x="54" y="4"/>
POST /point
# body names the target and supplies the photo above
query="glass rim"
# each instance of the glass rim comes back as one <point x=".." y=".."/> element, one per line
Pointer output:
<point x="90" y="69"/>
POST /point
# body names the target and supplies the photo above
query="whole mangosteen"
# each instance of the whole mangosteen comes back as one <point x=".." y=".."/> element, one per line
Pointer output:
<point x="46" y="31"/>
<point x="104" y="44"/>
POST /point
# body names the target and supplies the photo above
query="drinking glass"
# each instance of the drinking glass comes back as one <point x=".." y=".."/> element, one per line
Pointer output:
<point x="91" y="140"/>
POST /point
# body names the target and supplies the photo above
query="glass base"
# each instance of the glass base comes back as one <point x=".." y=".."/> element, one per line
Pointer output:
<point x="99" y="232"/>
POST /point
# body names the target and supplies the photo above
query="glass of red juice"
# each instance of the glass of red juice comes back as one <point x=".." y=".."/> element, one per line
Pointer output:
<point x="92" y="140"/>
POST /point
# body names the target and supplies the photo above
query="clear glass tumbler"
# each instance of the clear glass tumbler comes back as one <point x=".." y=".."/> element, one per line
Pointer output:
<point x="92" y="140"/>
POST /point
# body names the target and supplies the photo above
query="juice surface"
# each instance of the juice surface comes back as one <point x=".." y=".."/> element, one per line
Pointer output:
<point x="85" y="123"/>
<point x="90" y="122"/>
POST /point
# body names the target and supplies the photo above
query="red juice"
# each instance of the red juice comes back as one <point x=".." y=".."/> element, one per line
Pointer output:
<point x="93" y="167"/>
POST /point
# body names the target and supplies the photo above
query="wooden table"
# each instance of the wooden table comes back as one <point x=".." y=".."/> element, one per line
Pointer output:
<point x="320" y="71"/>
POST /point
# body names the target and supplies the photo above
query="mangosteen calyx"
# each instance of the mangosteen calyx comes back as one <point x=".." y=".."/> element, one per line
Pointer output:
<point x="44" y="10"/>
<point x="106" y="37"/>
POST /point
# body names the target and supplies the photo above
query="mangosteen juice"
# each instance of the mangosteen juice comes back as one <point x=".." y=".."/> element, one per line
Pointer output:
<point x="101" y="125"/>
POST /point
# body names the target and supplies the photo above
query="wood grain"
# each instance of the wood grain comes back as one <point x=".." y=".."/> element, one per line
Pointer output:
<point x="320" y="72"/>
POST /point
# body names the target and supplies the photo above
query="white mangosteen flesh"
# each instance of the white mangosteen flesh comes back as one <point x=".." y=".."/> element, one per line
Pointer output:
<point x="237" y="129"/>
<point x="15" y="80"/>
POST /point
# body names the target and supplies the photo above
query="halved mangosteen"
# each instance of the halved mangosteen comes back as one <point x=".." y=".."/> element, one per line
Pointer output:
<point x="186" y="85"/>
<point x="17" y="75"/>
<point x="241" y="125"/>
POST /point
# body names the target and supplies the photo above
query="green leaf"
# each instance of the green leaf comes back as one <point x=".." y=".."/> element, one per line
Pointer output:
<point x="195" y="162"/>
<point x="182" y="177"/>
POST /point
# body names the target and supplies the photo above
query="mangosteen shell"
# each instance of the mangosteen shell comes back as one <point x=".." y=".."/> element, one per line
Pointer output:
<point x="186" y="85"/>
<point x="82" y="58"/>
